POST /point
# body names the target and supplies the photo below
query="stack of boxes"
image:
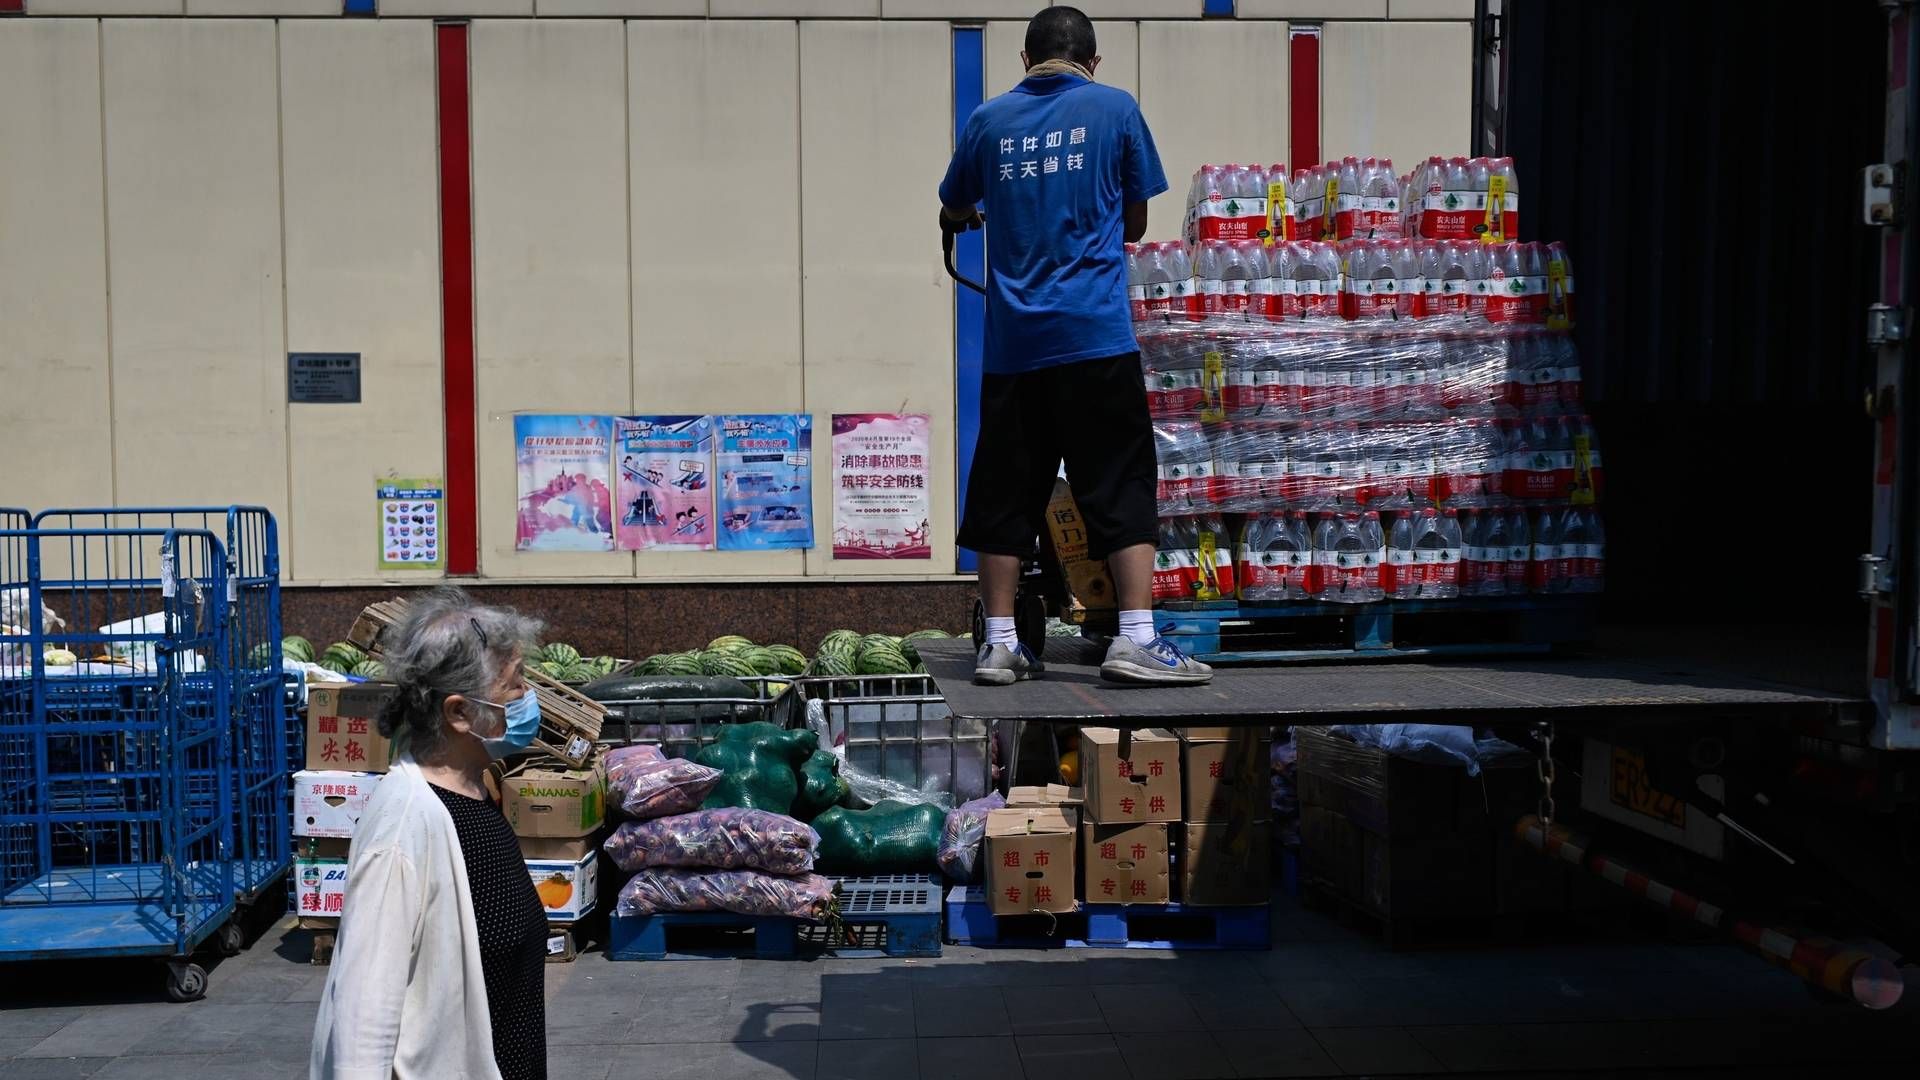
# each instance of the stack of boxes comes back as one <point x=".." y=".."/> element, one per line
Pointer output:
<point x="559" y="814"/>
<point x="346" y="757"/>
<point x="1184" y="816"/>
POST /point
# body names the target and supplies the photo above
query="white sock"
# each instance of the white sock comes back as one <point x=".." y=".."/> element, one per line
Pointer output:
<point x="1000" y="631"/>
<point x="1137" y="627"/>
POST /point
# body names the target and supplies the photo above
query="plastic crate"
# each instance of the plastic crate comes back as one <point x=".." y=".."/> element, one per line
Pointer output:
<point x="900" y="728"/>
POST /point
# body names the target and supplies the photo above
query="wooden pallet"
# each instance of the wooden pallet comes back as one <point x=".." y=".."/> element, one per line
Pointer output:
<point x="890" y="915"/>
<point x="1228" y="631"/>
<point x="375" y="622"/>
<point x="569" y="720"/>
<point x="1109" y="926"/>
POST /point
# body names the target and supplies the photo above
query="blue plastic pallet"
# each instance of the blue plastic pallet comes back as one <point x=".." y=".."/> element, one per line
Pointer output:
<point x="1228" y="631"/>
<point x="1109" y="926"/>
<point x="887" y="915"/>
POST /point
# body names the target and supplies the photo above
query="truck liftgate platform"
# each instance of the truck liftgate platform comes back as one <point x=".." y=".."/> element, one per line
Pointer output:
<point x="1572" y="691"/>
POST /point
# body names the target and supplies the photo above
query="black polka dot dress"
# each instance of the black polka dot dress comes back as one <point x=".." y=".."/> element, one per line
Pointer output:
<point x="513" y="935"/>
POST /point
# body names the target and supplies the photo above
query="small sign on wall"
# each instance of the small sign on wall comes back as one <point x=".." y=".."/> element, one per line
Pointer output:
<point x="411" y="511"/>
<point x="323" y="378"/>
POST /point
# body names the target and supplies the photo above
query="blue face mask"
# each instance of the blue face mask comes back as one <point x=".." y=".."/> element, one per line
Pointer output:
<point x="523" y="722"/>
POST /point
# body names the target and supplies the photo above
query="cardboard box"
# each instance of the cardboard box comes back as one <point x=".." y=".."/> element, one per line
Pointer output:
<point x="568" y="888"/>
<point x="320" y="878"/>
<point x="1060" y="796"/>
<point x="1144" y="788"/>
<point x="1126" y="864"/>
<point x="329" y="804"/>
<point x="562" y="946"/>
<point x="342" y="726"/>
<point x="1229" y="778"/>
<point x="557" y="848"/>
<point x="1087" y="579"/>
<point x="1029" y="861"/>
<point x="539" y="800"/>
<point x="1228" y="865"/>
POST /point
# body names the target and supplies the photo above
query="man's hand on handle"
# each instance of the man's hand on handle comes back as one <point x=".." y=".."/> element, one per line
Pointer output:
<point x="959" y="219"/>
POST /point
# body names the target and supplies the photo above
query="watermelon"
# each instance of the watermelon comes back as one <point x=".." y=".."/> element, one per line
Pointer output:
<point x="872" y="640"/>
<point x="335" y="664"/>
<point x="579" y="673"/>
<point x="909" y="644"/>
<point x="686" y="663"/>
<point x="651" y="665"/>
<point x="831" y="663"/>
<point x="726" y="664"/>
<point x="345" y="652"/>
<point x="370" y="669"/>
<point x="791" y="660"/>
<point x="882" y="659"/>
<point x="840" y="641"/>
<point x="560" y="654"/>
<point x="763" y="661"/>
<point x="729" y="641"/>
<point x="297" y="648"/>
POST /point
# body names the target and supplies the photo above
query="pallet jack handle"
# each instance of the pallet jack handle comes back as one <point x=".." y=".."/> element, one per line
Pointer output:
<point x="946" y="249"/>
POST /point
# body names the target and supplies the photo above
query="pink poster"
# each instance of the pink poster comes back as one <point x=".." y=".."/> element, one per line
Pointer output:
<point x="562" y="465"/>
<point x="881" y="506"/>
<point x="663" y="469"/>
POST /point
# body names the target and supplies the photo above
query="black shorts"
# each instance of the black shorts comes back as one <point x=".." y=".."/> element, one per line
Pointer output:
<point x="1093" y="415"/>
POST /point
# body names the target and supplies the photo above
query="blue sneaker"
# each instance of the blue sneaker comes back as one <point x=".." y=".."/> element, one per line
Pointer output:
<point x="998" y="665"/>
<point x="1158" y="663"/>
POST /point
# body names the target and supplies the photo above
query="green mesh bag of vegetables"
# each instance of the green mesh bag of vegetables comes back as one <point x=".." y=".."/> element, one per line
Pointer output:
<point x="820" y="785"/>
<point x="892" y="838"/>
<point x="761" y="763"/>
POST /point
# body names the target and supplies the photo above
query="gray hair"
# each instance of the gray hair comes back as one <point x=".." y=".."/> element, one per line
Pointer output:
<point x="449" y="644"/>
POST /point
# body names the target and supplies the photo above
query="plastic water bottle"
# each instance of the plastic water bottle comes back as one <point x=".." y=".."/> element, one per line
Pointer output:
<point x="1380" y="199"/>
<point x="1560" y="311"/>
<point x="1263" y="468"/>
<point x="1185" y="467"/>
<point x="1483" y="569"/>
<point x="1408" y="286"/>
<point x="1260" y="298"/>
<point x="1543" y="567"/>
<point x="1456" y="265"/>
<point x="1519" y="551"/>
<point x="1374" y="539"/>
<point x="1170" y="579"/>
<point x="1569" y="392"/>
<point x="1589" y="479"/>
<point x="1533" y="263"/>
<point x="1583" y="550"/>
<point x="1209" y="267"/>
<point x="1502" y="202"/>
<point x="1246" y="265"/>
<point x="1325" y="569"/>
<point x="1433" y="296"/>
<point x="1400" y="577"/>
<point x="1436" y="551"/>
<point x="1136" y="283"/>
<point x="1157" y="280"/>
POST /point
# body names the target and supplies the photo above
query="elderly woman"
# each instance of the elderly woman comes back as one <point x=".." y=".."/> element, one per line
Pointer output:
<point x="438" y="970"/>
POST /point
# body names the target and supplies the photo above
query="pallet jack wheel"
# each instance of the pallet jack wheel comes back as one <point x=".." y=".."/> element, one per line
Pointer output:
<point x="186" y="982"/>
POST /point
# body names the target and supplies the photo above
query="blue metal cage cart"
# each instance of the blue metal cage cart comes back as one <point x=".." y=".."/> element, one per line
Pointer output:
<point x="143" y="785"/>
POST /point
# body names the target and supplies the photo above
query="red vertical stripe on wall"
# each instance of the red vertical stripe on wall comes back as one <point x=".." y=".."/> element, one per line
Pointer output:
<point x="461" y="531"/>
<point x="1303" y="97"/>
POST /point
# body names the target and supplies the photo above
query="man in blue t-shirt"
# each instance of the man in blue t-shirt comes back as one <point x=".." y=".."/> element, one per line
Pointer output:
<point x="1065" y="167"/>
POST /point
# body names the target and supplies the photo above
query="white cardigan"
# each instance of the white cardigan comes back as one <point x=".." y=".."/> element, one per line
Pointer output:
<point x="405" y="999"/>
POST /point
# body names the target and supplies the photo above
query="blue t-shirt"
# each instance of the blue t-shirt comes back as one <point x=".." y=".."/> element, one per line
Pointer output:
<point x="1056" y="160"/>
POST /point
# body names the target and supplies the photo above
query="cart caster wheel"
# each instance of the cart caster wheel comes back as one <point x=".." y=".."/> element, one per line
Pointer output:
<point x="186" y="982"/>
<point x="231" y="940"/>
